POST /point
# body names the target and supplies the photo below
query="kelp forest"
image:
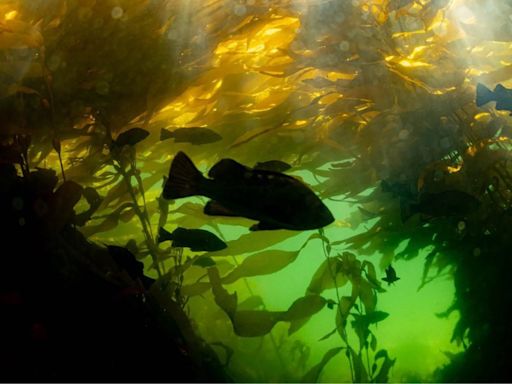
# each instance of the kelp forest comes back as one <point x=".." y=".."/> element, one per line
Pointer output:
<point x="255" y="190"/>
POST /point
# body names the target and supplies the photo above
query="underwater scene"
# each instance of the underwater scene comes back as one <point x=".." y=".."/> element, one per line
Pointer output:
<point x="256" y="190"/>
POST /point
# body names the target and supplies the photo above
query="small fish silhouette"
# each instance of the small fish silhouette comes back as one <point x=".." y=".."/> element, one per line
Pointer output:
<point x="390" y="275"/>
<point x="501" y="95"/>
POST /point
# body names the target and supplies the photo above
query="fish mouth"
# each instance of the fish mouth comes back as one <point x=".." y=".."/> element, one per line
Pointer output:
<point x="320" y="217"/>
<point x="325" y="216"/>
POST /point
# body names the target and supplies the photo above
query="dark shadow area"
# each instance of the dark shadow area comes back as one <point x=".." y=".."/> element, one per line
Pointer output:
<point x="73" y="311"/>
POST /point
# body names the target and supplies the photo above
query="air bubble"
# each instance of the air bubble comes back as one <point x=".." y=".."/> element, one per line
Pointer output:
<point x="17" y="203"/>
<point x="102" y="88"/>
<point x="117" y="12"/>
<point x="404" y="134"/>
<point x="445" y="142"/>
<point x="240" y="10"/>
<point x="344" y="46"/>
<point x="54" y="62"/>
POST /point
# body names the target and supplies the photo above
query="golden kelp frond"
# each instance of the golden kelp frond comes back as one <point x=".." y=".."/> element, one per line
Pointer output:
<point x="371" y="102"/>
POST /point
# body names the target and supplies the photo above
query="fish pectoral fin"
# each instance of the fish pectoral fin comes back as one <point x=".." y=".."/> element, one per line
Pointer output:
<point x="214" y="208"/>
<point x="264" y="226"/>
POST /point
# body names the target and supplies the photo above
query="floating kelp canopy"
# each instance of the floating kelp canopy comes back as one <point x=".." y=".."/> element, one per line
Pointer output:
<point x="370" y="102"/>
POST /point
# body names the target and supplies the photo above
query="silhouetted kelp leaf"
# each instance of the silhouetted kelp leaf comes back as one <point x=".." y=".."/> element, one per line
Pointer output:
<point x="151" y="180"/>
<point x="356" y="180"/>
<point x="10" y="154"/>
<point x="371" y="275"/>
<point x="373" y="342"/>
<point x="252" y="302"/>
<point x="367" y="295"/>
<point x="255" y="323"/>
<point x="262" y="263"/>
<point x="251" y="323"/>
<point x="124" y="212"/>
<point x="227" y="349"/>
<point x="253" y="242"/>
<point x="253" y="134"/>
<point x="126" y="215"/>
<point x="61" y="205"/>
<point x="107" y="224"/>
<point x="360" y="374"/>
<point x="87" y="168"/>
<point x="358" y="241"/>
<point x="325" y="337"/>
<point x="362" y="331"/>
<point x="344" y="307"/>
<point x="259" y="323"/>
<point x="94" y="200"/>
<point x="320" y="236"/>
<point x="195" y="289"/>
<point x="17" y="34"/>
<point x="314" y="373"/>
<point x="204" y="262"/>
<point x="301" y="311"/>
<point x="131" y="245"/>
<point x="56" y="145"/>
<point x="387" y="364"/>
<point x="418" y="240"/>
<point x="330" y="303"/>
<point x="429" y="259"/>
<point x="92" y="196"/>
<point x="116" y="194"/>
<point x="459" y="331"/>
<point x="341" y="323"/>
<point x="326" y="277"/>
<point x="225" y="300"/>
<point x="444" y="314"/>
<point x="297" y="324"/>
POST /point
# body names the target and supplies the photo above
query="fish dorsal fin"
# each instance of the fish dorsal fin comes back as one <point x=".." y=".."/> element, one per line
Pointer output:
<point x="227" y="169"/>
<point x="499" y="88"/>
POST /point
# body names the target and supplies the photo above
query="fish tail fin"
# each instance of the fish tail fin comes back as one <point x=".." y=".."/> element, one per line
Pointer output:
<point x="184" y="178"/>
<point x="163" y="235"/>
<point x="483" y="95"/>
<point x="165" y="134"/>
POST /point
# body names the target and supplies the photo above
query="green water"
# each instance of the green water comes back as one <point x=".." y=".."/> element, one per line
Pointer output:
<point x="412" y="333"/>
<point x="353" y="94"/>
